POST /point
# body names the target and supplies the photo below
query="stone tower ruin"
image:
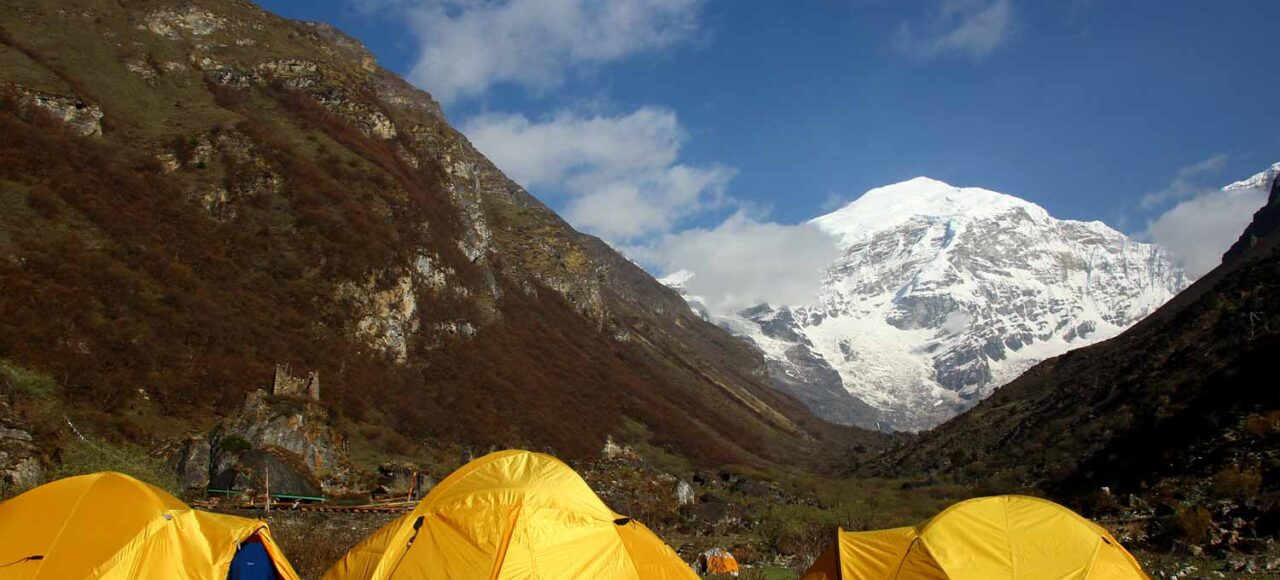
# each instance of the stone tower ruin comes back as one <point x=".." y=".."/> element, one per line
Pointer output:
<point x="286" y="384"/>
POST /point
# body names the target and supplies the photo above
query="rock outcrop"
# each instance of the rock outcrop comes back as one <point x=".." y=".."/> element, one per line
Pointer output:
<point x="83" y="118"/>
<point x="284" y="436"/>
<point x="1265" y="221"/>
<point x="20" y="466"/>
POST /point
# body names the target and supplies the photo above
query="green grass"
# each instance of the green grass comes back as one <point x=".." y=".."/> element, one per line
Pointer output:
<point x="91" y="455"/>
<point x="776" y="573"/>
<point x="884" y="503"/>
<point x="21" y="70"/>
<point x="26" y="381"/>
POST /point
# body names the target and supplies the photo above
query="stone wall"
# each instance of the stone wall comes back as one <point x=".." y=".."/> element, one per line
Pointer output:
<point x="285" y="384"/>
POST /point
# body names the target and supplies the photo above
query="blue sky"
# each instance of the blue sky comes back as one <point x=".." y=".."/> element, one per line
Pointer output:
<point x="691" y="114"/>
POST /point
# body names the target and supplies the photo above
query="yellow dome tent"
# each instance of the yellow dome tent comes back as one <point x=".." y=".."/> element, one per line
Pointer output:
<point x="111" y="526"/>
<point x="717" y="561"/>
<point x="989" y="538"/>
<point x="512" y="515"/>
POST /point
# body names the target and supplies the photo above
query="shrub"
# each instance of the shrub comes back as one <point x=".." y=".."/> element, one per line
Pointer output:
<point x="14" y="378"/>
<point x="315" y="541"/>
<point x="1191" y="524"/>
<point x="183" y="149"/>
<point x="1262" y="426"/>
<point x="44" y="202"/>
<point x="806" y="531"/>
<point x="387" y="440"/>
<point x="1238" y="484"/>
<point x="234" y="444"/>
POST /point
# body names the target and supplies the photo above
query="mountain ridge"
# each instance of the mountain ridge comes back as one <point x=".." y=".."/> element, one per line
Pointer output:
<point x="944" y="293"/>
<point x="204" y="190"/>
<point x="1169" y="410"/>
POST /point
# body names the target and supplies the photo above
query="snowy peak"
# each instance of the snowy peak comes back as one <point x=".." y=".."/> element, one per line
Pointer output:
<point x="921" y="198"/>
<point x="941" y="294"/>
<point x="1261" y="181"/>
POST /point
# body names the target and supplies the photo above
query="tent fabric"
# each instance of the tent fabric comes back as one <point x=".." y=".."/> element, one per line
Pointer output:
<point x="512" y="515"/>
<point x="985" y="538"/>
<point x="111" y="526"/>
<point x="718" y="561"/>
<point x="878" y="554"/>
<point x="252" y="562"/>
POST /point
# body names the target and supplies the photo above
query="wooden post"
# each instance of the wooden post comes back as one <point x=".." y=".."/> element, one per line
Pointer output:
<point x="266" y="475"/>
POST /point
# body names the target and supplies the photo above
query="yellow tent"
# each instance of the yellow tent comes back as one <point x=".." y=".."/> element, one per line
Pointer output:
<point x="989" y="538"/>
<point x="512" y="515"/>
<point x="112" y="526"/>
<point x="717" y="561"/>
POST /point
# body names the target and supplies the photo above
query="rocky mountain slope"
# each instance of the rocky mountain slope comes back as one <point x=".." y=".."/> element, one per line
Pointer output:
<point x="942" y="294"/>
<point x="194" y="192"/>
<point x="1181" y="410"/>
<point x="1265" y="221"/>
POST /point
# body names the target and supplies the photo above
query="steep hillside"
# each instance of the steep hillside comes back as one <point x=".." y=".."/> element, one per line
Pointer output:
<point x="195" y="192"/>
<point x="1182" y="407"/>
<point x="1265" y="221"/>
<point x="942" y="294"/>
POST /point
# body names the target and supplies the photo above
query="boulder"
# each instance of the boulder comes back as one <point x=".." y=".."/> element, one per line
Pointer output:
<point x="20" y="466"/>
<point x="281" y="469"/>
<point x="684" y="493"/>
<point x="291" y="426"/>
<point x="191" y="462"/>
<point x="299" y="425"/>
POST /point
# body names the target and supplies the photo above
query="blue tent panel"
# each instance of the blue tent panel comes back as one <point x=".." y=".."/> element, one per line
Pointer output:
<point x="252" y="562"/>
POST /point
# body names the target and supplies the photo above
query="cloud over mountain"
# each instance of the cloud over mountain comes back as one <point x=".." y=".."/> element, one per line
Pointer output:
<point x="744" y="262"/>
<point x="619" y="177"/>
<point x="1200" y="227"/>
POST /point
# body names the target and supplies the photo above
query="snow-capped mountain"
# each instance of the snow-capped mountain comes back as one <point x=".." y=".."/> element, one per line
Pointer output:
<point x="1260" y="182"/>
<point x="942" y="294"/>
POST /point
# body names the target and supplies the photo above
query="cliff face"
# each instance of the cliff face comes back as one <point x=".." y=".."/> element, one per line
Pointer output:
<point x="196" y="192"/>
<point x="1265" y="221"/>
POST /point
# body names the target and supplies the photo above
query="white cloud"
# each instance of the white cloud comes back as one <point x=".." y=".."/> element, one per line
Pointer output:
<point x="1184" y="185"/>
<point x="1197" y="231"/>
<point x="469" y="45"/>
<point x="620" y="176"/>
<point x="744" y="262"/>
<point x="972" y="27"/>
<point x="1205" y="220"/>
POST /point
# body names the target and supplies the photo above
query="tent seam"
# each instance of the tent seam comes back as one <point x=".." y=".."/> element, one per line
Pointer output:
<point x="150" y="530"/>
<point x="501" y="560"/>
<point x="70" y="514"/>
<point x="1008" y="540"/>
<point x="1094" y="560"/>
<point x="630" y="557"/>
<point x="903" y="562"/>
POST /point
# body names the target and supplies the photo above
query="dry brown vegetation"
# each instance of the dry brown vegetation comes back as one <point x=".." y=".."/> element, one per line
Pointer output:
<point x="117" y="280"/>
<point x="315" y="541"/>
